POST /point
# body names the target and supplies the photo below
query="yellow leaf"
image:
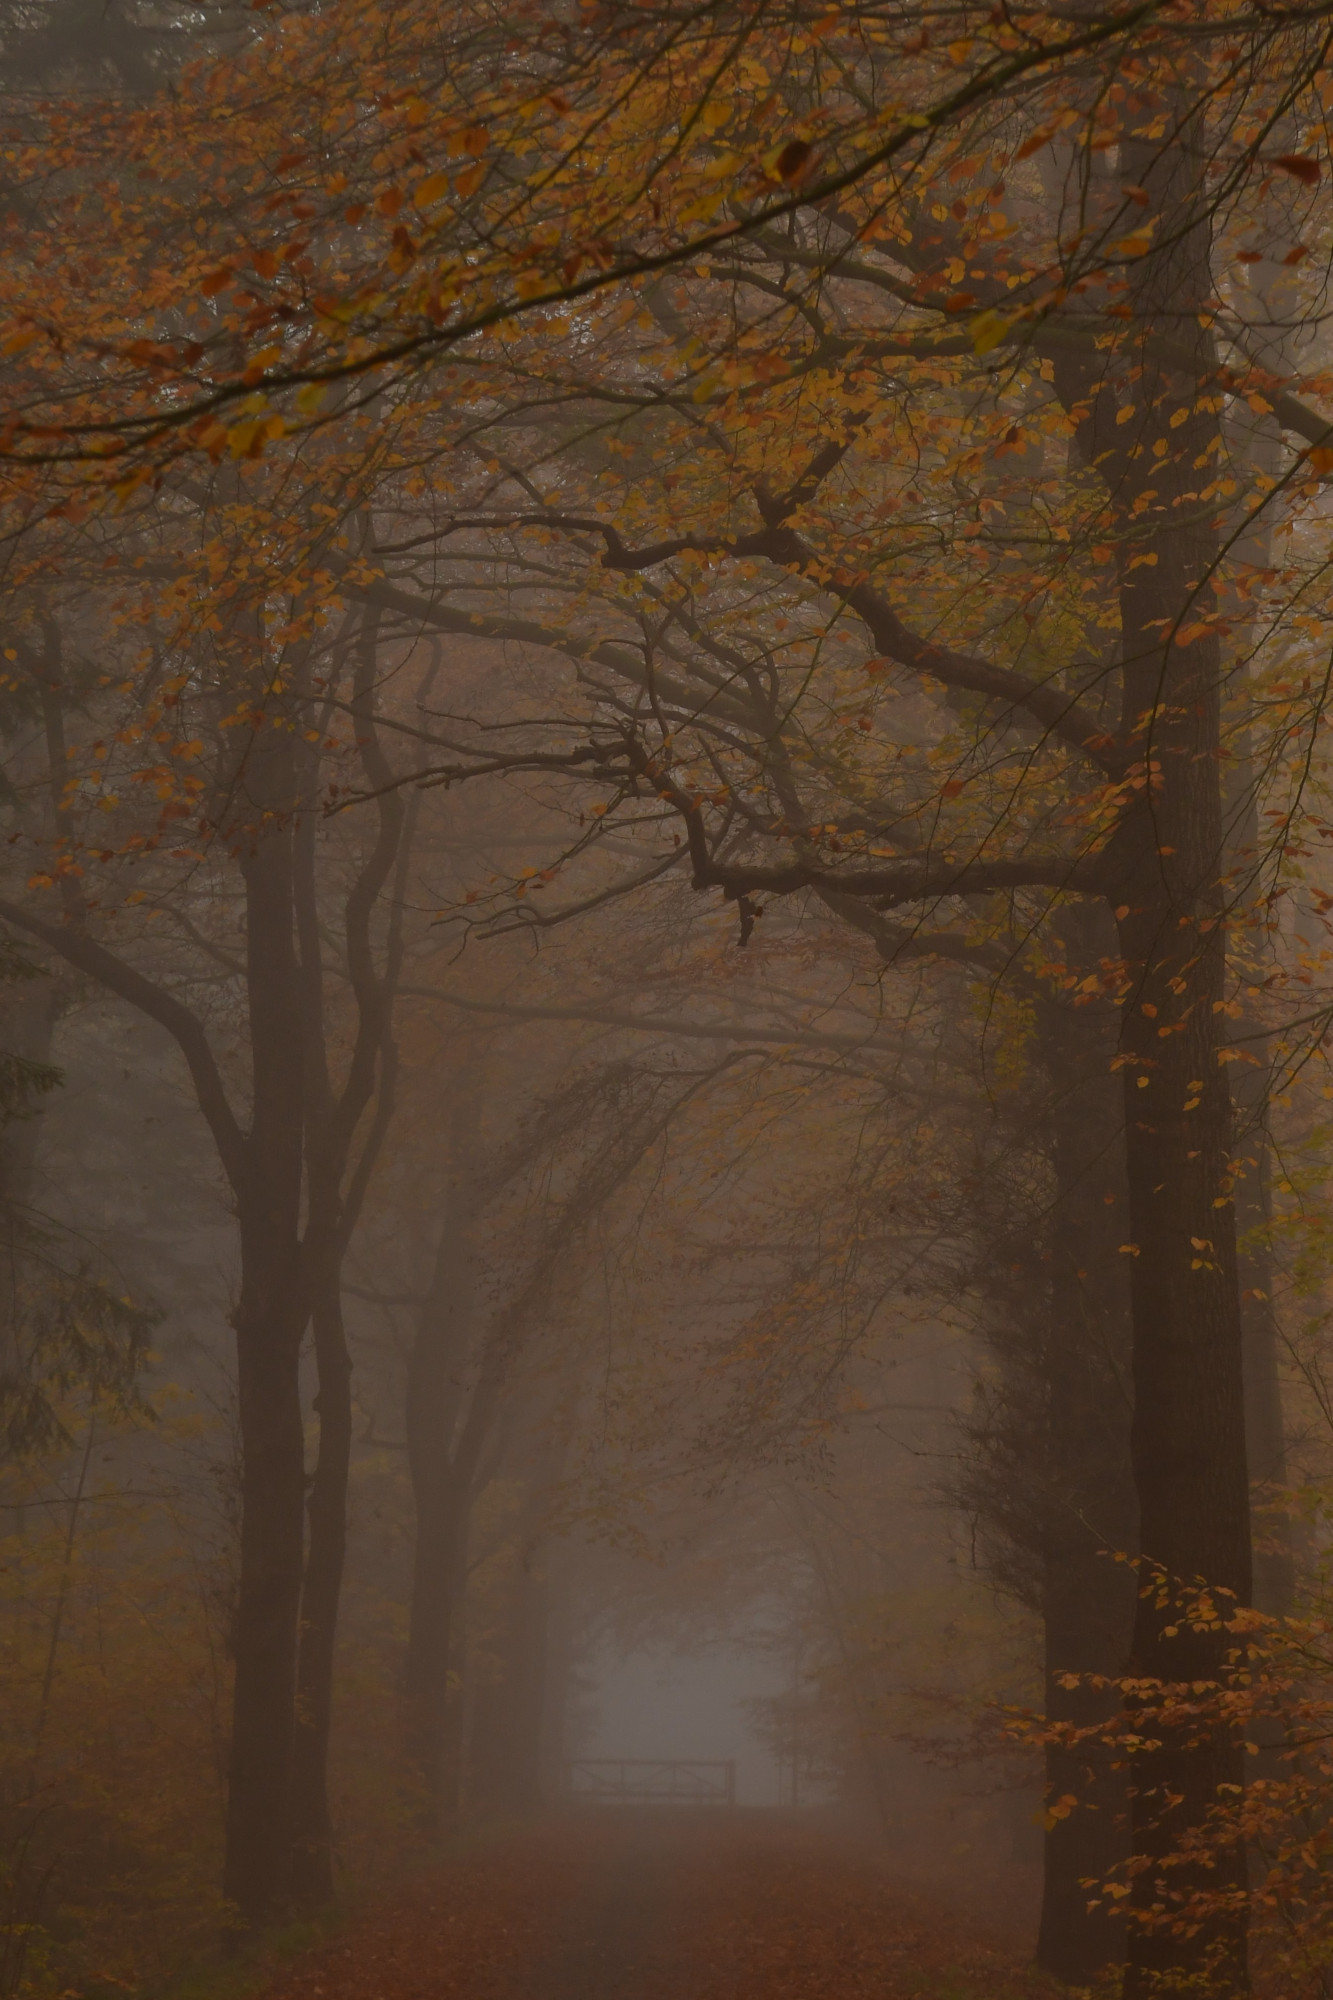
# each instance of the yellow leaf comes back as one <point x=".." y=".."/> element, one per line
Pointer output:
<point x="988" y="330"/>
<point x="430" y="190"/>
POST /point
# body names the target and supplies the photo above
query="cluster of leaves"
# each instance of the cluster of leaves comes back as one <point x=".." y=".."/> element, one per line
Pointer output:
<point x="1276" y="1697"/>
<point x="76" y="1337"/>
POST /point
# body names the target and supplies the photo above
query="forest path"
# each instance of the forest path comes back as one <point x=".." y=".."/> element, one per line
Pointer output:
<point x="624" y="1905"/>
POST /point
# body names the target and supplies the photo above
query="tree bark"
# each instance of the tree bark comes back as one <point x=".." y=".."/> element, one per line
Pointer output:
<point x="269" y="1322"/>
<point x="326" y="1509"/>
<point x="1163" y="870"/>
<point x="1076" y="1942"/>
<point x="1167" y="859"/>
<point x="439" y="1575"/>
<point x="505" y="1743"/>
<point x="504" y="1763"/>
<point x="1087" y="1604"/>
<point x="436" y="1396"/>
<point x="338" y="1170"/>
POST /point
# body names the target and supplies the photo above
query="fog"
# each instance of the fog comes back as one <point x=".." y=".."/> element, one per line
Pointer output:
<point x="665" y="1000"/>
<point x="686" y="1706"/>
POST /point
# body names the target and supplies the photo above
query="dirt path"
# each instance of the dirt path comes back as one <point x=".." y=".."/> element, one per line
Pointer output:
<point x="623" y="1906"/>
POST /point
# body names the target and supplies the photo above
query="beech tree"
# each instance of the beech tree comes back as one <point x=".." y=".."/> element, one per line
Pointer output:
<point x="870" y="429"/>
<point x="1110" y="726"/>
<point x="296" y="1140"/>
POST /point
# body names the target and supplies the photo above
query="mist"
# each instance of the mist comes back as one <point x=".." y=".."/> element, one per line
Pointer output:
<point x="665" y="987"/>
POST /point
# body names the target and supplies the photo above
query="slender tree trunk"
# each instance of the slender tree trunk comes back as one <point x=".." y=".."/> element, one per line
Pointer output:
<point x="504" y="1751"/>
<point x="505" y="1744"/>
<point x="338" y="1171"/>
<point x="436" y="1399"/>
<point x="269" y="1321"/>
<point x="30" y="1013"/>
<point x="268" y="1335"/>
<point x="439" y="1575"/>
<point x="312" y="1847"/>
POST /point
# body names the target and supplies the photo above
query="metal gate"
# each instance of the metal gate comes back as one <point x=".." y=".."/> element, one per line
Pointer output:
<point x="652" y="1781"/>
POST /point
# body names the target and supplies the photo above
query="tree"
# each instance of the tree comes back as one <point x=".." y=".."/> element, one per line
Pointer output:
<point x="297" y="1171"/>
<point x="1131" y="725"/>
<point x="971" y="325"/>
<point x="572" y="1156"/>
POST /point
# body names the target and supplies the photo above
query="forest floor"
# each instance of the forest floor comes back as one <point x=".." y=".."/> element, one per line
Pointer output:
<point x="623" y="1905"/>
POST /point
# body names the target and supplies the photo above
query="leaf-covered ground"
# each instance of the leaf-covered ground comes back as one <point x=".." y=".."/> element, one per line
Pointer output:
<point x="621" y="1906"/>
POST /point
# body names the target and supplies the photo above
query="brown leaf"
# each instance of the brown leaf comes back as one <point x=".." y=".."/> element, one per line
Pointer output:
<point x="1300" y="166"/>
<point x="793" y="158"/>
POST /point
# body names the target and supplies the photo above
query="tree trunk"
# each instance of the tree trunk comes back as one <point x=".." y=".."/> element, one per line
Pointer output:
<point x="506" y="1754"/>
<point x="1167" y="859"/>
<point x="1085" y="1842"/>
<point x="269" y="1322"/>
<point x="334" y="1198"/>
<point x="1265" y="1431"/>
<point x="504" y="1751"/>
<point x="268" y="1337"/>
<point x="1087" y="1597"/>
<point x="437" y="1398"/>
<point x="30" y="1013"/>
<point x="1163" y="868"/>
<point x="312" y="1841"/>
<point x="439" y="1572"/>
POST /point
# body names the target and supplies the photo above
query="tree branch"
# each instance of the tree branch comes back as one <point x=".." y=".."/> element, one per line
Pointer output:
<point x="645" y="1024"/>
<point x="170" y="1013"/>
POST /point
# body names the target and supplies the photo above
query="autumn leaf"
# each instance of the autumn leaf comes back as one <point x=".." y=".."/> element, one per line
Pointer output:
<point x="988" y="330"/>
<point x="793" y="160"/>
<point x="1301" y="166"/>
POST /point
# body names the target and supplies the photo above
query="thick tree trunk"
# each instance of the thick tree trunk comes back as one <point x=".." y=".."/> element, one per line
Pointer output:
<point x="1189" y="1414"/>
<point x="1143" y="420"/>
<point x="1189" y="1425"/>
<point x="1050" y="1481"/>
